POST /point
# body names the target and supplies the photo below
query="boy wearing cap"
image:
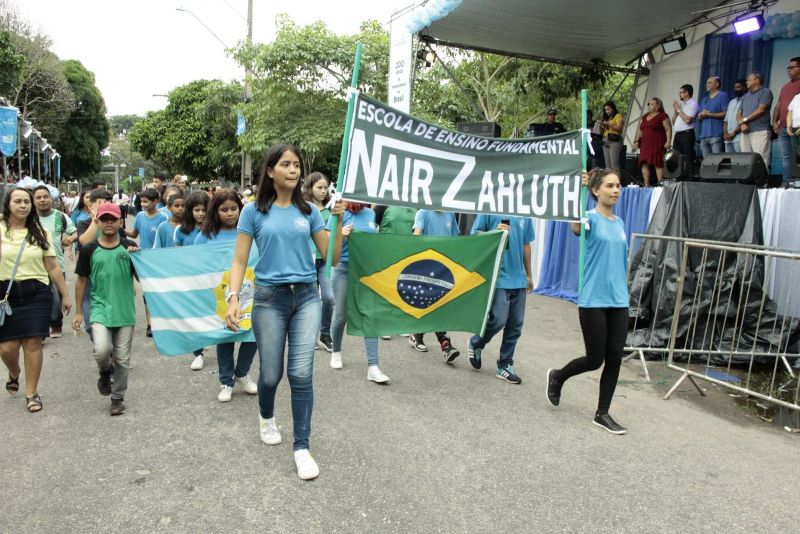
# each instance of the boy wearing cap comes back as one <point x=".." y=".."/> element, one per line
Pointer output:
<point x="106" y="263"/>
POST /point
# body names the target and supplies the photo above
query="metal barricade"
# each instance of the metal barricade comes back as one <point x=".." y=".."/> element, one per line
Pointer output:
<point x="730" y="317"/>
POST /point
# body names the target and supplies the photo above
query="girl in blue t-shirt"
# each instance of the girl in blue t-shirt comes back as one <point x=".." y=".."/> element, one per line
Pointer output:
<point x="357" y="218"/>
<point x="220" y="225"/>
<point x="603" y="303"/>
<point x="316" y="191"/>
<point x="192" y="221"/>
<point x="286" y="303"/>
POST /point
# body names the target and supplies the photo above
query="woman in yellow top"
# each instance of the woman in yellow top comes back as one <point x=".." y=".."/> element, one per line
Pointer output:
<point x="30" y="297"/>
<point x="612" y="124"/>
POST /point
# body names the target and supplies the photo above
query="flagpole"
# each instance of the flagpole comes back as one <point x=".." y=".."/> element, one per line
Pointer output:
<point x="584" y="140"/>
<point x="351" y="104"/>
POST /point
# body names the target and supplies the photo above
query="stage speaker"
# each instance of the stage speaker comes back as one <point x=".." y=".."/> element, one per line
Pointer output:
<point x="484" y="129"/>
<point x="677" y="166"/>
<point x="739" y="167"/>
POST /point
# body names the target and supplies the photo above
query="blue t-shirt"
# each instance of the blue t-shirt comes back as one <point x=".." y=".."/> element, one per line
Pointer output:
<point x="222" y="235"/>
<point x="147" y="228"/>
<point x="363" y="221"/>
<point x="281" y="236"/>
<point x="710" y="127"/>
<point x="78" y="216"/>
<point x="436" y="222"/>
<point x="605" y="273"/>
<point x="512" y="271"/>
<point x="165" y="235"/>
<point x="185" y="240"/>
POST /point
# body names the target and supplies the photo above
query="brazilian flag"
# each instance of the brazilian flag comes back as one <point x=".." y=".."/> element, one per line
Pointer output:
<point x="399" y="284"/>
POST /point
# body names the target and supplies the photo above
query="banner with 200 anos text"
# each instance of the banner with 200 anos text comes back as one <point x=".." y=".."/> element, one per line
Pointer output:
<point x="395" y="159"/>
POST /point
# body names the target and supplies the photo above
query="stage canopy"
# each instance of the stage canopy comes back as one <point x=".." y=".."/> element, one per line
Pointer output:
<point x="562" y="31"/>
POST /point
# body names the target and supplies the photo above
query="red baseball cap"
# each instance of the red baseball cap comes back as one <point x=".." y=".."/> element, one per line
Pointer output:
<point x="109" y="208"/>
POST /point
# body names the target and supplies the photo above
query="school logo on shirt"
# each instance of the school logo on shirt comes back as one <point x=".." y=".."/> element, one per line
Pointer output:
<point x="246" y="294"/>
<point x="422" y="282"/>
<point x="301" y="225"/>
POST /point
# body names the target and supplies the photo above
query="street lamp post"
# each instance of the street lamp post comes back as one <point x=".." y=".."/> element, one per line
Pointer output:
<point x="247" y="162"/>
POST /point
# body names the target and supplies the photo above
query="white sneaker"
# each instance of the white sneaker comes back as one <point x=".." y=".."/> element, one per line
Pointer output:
<point x="374" y="374"/>
<point x="197" y="363"/>
<point x="307" y="468"/>
<point x="269" y="430"/>
<point x="224" y="393"/>
<point x="387" y="338"/>
<point x="336" y="360"/>
<point x="247" y="384"/>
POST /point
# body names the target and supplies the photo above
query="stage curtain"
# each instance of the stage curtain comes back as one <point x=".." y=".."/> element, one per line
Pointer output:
<point x="732" y="56"/>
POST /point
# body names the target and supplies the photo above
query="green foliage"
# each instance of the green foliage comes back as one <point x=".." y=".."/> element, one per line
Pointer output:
<point x="196" y="133"/>
<point x="11" y="65"/>
<point x="122" y="123"/>
<point x="85" y="134"/>
<point x="299" y="86"/>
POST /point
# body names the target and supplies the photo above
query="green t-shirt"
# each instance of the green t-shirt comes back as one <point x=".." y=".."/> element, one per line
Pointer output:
<point x="398" y="220"/>
<point x="55" y="221"/>
<point x="111" y="273"/>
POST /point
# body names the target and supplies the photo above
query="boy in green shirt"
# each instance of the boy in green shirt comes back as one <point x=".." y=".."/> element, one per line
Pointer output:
<point x="107" y="263"/>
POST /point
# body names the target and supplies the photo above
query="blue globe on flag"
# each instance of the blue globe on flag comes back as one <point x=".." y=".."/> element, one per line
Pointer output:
<point x="422" y="283"/>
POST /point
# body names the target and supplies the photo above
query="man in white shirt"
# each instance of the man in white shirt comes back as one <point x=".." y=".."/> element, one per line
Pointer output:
<point x="731" y="132"/>
<point x="683" y="117"/>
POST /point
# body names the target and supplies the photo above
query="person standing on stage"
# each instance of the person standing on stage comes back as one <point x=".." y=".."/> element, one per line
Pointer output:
<point x="753" y="117"/>
<point x="788" y="92"/>
<point x="712" y="112"/>
<point x="683" y="117"/>
<point x="603" y="303"/>
<point x="730" y="128"/>
<point x="653" y="140"/>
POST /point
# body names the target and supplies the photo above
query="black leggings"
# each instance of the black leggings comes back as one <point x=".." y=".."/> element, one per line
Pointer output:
<point x="604" y="332"/>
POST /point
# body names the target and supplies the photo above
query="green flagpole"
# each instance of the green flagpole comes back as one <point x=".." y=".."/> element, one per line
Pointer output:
<point x="351" y="105"/>
<point x="584" y="109"/>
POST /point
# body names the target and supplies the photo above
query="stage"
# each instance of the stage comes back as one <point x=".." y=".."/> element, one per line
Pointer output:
<point x="554" y="253"/>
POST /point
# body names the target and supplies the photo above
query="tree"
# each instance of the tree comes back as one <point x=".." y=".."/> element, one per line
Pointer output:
<point x="11" y="64"/>
<point x="196" y="133"/>
<point x="120" y="124"/>
<point x="300" y="82"/>
<point x="85" y="134"/>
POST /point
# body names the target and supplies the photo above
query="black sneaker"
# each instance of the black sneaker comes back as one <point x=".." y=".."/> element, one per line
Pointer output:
<point x="149" y="332"/>
<point x="553" y="389"/>
<point x="416" y="342"/>
<point x="603" y="420"/>
<point x="117" y="407"/>
<point x="474" y="356"/>
<point x="104" y="384"/>
<point x="450" y="352"/>
<point x="325" y="342"/>
<point x="508" y="374"/>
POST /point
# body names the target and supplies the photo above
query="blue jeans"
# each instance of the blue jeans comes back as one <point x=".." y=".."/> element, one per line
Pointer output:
<point x="293" y="311"/>
<point x="507" y="314"/>
<point x="340" y="316"/>
<point x="87" y="297"/>
<point x="227" y="371"/>
<point x="711" y="145"/>
<point x="785" y="141"/>
<point x="732" y="146"/>
<point x="326" y="292"/>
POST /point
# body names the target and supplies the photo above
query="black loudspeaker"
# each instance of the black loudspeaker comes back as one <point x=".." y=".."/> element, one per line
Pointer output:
<point x="794" y="163"/>
<point x="484" y="129"/>
<point x="739" y="167"/>
<point x="677" y="166"/>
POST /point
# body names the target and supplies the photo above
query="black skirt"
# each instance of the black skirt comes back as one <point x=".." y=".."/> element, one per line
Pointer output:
<point x="31" y="302"/>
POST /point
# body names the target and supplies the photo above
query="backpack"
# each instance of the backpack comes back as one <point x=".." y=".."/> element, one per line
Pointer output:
<point x="60" y="224"/>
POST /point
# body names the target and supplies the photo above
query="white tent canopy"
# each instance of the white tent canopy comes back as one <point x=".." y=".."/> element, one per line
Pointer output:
<point x="564" y="31"/>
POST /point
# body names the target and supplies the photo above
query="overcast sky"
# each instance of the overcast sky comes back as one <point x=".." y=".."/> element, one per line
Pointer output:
<point x="137" y="48"/>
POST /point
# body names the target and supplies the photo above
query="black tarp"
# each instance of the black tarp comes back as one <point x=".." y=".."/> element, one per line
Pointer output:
<point x="718" y="212"/>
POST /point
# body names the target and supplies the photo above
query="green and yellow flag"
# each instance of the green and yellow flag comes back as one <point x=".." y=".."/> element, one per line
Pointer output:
<point x="399" y="284"/>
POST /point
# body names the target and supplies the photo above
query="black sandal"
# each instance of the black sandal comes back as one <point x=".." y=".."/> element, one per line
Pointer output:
<point x="12" y="386"/>
<point x="34" y="403"/>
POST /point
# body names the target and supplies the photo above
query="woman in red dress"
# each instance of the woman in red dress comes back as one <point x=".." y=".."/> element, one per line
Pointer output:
<point x="653" y="140"/>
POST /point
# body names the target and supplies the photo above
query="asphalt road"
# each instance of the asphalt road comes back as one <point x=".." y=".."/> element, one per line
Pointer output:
<point x="440" y="449"/>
